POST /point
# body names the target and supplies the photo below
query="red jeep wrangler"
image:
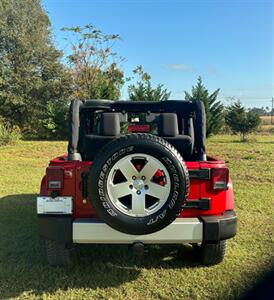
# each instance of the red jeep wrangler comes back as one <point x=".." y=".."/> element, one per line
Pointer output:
<point x="136" y="173"/>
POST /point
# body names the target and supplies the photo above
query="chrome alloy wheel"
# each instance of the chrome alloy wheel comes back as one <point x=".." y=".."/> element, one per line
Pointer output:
<point x="138" y="185"/>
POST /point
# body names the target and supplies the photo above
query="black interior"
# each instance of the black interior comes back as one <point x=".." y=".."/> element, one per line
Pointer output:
<point x="94" y="123"/>
<point x="169" y="130"/>
<point x="109" y="128"/>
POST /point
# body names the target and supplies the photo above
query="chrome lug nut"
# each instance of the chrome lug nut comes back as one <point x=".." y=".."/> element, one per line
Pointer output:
<point x="146" y="187"/>
<point x="133" y="177"/>
<point x="138" y="192"/>
<point x="143" y="177"/>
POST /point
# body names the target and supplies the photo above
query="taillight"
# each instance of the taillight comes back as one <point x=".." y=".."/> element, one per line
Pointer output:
<point x="55" y="178"/>
<point x="54" y="184"/>
<point x="219" y="178"/>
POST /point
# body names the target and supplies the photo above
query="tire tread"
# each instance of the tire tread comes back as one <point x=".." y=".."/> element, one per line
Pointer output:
<point x="108" y="148"/>
<point x="153" y="138"/>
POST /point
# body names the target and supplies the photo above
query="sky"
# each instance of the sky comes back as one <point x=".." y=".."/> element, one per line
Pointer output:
<point x="227" y="42"/>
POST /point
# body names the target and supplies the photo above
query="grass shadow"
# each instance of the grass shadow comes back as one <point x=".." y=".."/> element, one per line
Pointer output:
<point x="23" y="267"/>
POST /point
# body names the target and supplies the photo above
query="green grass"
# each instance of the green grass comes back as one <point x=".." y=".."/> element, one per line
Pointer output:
<point x="110" y="272"/>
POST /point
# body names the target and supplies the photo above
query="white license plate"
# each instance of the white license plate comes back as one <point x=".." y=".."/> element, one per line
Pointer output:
<point x="58" y="205"/>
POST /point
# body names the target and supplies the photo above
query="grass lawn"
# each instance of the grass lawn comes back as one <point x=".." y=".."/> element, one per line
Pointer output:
<point x="110" y="272"/>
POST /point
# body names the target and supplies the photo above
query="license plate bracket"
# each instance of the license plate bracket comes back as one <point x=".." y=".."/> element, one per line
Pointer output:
<point x="54" y="206"/>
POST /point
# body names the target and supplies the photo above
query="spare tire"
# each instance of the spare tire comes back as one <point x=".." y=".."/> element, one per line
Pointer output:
<point x="138" y="183"/>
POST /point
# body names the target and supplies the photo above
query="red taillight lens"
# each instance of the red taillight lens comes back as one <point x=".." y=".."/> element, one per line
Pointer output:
<point x="219" y="178"/>
<point x="55" y="178"/>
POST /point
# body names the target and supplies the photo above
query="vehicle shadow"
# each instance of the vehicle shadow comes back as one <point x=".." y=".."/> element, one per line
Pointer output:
<point x="23" y="267"/>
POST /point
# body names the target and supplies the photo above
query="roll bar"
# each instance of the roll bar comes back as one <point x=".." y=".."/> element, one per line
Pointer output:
<point x="183" y="109"/>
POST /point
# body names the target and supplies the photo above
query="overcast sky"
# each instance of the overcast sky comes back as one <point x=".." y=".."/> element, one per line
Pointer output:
<point x="229" y="42"/>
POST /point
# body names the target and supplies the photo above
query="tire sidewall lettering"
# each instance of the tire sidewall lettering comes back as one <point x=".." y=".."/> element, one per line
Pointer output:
<point x="103" y="176"/>
<point x="112" y="153"/>
<point x="174" y="196"/>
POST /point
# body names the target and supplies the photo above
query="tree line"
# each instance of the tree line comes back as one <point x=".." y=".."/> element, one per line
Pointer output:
<point x="37" y="81"/>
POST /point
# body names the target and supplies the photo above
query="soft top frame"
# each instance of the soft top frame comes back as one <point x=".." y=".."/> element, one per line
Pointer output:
<point x="184" y="109"/>
<point x="177" y="106"/>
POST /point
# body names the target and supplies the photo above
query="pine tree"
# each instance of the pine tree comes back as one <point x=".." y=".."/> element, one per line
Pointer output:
<point x="143" y="90"/>
<point x="214" y="108"/>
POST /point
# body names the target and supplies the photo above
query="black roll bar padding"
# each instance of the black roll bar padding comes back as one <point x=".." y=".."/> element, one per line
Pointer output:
<point x="200" y="129"/>
<point x="74" y="124"/>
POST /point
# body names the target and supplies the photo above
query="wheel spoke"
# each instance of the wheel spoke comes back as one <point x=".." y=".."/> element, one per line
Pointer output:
<point x="120" y="190"/>
<point x="127" y="168"/>
<point x="130" y="197"/>
<point x="157" y="191"/>
<point x="150" y="169"/>
<point x="138" y="204"/>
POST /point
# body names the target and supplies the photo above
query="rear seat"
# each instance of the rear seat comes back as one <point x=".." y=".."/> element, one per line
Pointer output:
<point x="169" y="130"/>
<point x="110" y="129"/>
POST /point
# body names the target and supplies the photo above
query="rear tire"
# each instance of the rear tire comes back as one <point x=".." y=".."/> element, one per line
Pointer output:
<point x="128" y="198"/>
<point x="212" y="254"/>
<point x="57" y="254"/>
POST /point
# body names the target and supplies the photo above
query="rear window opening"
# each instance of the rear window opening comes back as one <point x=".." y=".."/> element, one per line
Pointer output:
<point x="142" y="122"/>
<point x="129" y="123"/>
<point x="180" y="123"/>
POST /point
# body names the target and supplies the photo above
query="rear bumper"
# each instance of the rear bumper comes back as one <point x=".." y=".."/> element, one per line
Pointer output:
<point x="210" y="229"/>
<point x="180" y="231"/>
<point x="218" y="228"/>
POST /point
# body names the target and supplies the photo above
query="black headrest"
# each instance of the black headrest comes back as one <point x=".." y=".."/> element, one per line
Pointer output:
<point x="110" y="124"/>
<point x="168" y="125"/>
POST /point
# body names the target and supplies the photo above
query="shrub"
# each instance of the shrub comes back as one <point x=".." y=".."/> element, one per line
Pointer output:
<point x="53" y="123"/>
<point x="240" y="120"/>
<point x="8" y="134"/>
